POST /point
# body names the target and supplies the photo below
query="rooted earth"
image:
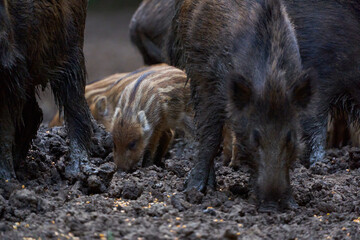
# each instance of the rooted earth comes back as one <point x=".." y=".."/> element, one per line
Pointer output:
<point x="149" y="203"/>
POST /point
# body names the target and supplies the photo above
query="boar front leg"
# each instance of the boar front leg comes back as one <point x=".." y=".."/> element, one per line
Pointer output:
<point x="315" y="129"/>
<point x="27" y="129"/>
<point x="7" y="138"/>
<point x="209" y="121"/>
<point x="68" y="86"/>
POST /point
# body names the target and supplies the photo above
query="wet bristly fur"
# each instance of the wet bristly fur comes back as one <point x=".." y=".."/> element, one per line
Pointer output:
<point x="244" y="55"/>
<point x="147" y="112"/>
<point x="308" y="15"/>
<point x="40" y="42"/>
<point x="148" y="27"/>
<point x="329" y="43"/>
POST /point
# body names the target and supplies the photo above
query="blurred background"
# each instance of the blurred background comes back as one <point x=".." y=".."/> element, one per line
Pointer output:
<point x="107" y="44"/>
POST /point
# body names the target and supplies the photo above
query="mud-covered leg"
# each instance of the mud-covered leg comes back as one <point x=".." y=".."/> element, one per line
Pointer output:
<point x="164" y="143"/>
<point x="209" y="121"/>
<point x="68" y="86"/>
<point x="7" y="138"/>
<point x="315" y="129"/>
<point x="27" y="129"/>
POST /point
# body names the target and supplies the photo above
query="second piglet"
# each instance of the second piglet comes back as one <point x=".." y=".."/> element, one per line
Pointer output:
<point x="147" y="113"/>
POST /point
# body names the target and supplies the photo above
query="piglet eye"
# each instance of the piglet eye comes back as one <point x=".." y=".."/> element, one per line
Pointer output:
<point x="256" y="137"/>
<point x="132" y="145"/>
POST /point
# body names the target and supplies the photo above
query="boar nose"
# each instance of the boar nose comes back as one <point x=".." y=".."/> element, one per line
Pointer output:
<point x="269" y="207"/>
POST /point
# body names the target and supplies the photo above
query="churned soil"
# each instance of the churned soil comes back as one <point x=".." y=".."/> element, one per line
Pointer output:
<point x="149" y="203"/>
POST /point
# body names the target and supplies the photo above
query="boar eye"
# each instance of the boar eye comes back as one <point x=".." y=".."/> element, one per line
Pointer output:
<point x="132" y="145"/>
<point x="256" y="137"/>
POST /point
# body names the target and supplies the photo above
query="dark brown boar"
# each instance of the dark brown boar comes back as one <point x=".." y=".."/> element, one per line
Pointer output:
<point x="331" y="43"/>
<point x="40" y="42"/>
<point x="243" y="54"/>
<point x="149" y="26"/>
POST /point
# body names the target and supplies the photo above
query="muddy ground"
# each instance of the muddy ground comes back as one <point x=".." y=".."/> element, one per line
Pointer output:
<point x="149" y="203"/>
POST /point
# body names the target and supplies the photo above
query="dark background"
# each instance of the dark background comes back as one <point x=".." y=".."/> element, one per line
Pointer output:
<point x="107" y="46"/>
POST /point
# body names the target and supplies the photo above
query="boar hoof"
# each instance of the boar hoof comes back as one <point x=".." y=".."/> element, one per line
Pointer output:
<point x="291" y="204"/>
<point x="6" y="174"/>
<point x="197" y="181"/>
<point x="78" y="156"/>
<point x="316" y="156"/>
<point x="269" y="207"/>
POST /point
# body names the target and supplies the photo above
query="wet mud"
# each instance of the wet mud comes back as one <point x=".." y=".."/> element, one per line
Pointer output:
<point x="149" y="203"/>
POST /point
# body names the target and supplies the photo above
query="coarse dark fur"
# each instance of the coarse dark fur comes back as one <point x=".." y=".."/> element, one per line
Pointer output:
<point x="329" y="34"/>
<point x="326" y="38"/>
<point x="244" y="55"/>
<point x="148" y="26"/>
<point x="40" y="42"/>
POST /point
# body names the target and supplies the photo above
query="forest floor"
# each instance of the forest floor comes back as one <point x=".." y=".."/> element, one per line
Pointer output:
<point x="149" y="203"/>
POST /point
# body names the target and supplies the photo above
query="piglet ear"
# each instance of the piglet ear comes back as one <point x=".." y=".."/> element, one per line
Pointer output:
<point x="302" y="90"/>
<point x="143" y="121"/>
<point x="240" y="90"/>
<point x="101" y="106"/>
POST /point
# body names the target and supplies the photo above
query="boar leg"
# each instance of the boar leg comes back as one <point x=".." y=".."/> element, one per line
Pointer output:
<point x="209" y="126"/>
<point x="235" y="156"/>
<point x="7" y="135"/>
<point x="227" y="145"/>
<point x="68" y="86"/>
<point x="164" y="143"/>
<point x="27" y="129"/>
<point x="315" y="129"/>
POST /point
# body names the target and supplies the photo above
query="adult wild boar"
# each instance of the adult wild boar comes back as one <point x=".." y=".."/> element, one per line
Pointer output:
<point x="328" y="43"/>
<point x="243" y="54"/>
<point x="40" y="42"/>
<point x="148" y="28"/>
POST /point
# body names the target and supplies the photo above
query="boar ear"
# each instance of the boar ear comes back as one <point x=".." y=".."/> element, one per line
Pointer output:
<point x="302" y="90"/>
<point x="101" y="106"/>
<point x="239" y="90"/>
<point x="143" y="121"/>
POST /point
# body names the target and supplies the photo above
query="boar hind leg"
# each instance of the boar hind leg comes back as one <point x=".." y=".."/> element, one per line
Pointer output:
<point x="68" y="87"/>
<point x="164" y="143"/>
<point x="27" y="129"/>
<point x="7" y="138"/>
<point x="315" y="129"/>
<point x="209" y="126"/>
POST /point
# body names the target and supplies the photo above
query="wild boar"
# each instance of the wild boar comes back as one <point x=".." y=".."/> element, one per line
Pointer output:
<point x="40" y="42"/>
<point x="148" y="27"/>
<point x="244" y="63"/>
<point x="148" y="111"/>
<point x="331" y="43"/>
<point x="102" y="96"/>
